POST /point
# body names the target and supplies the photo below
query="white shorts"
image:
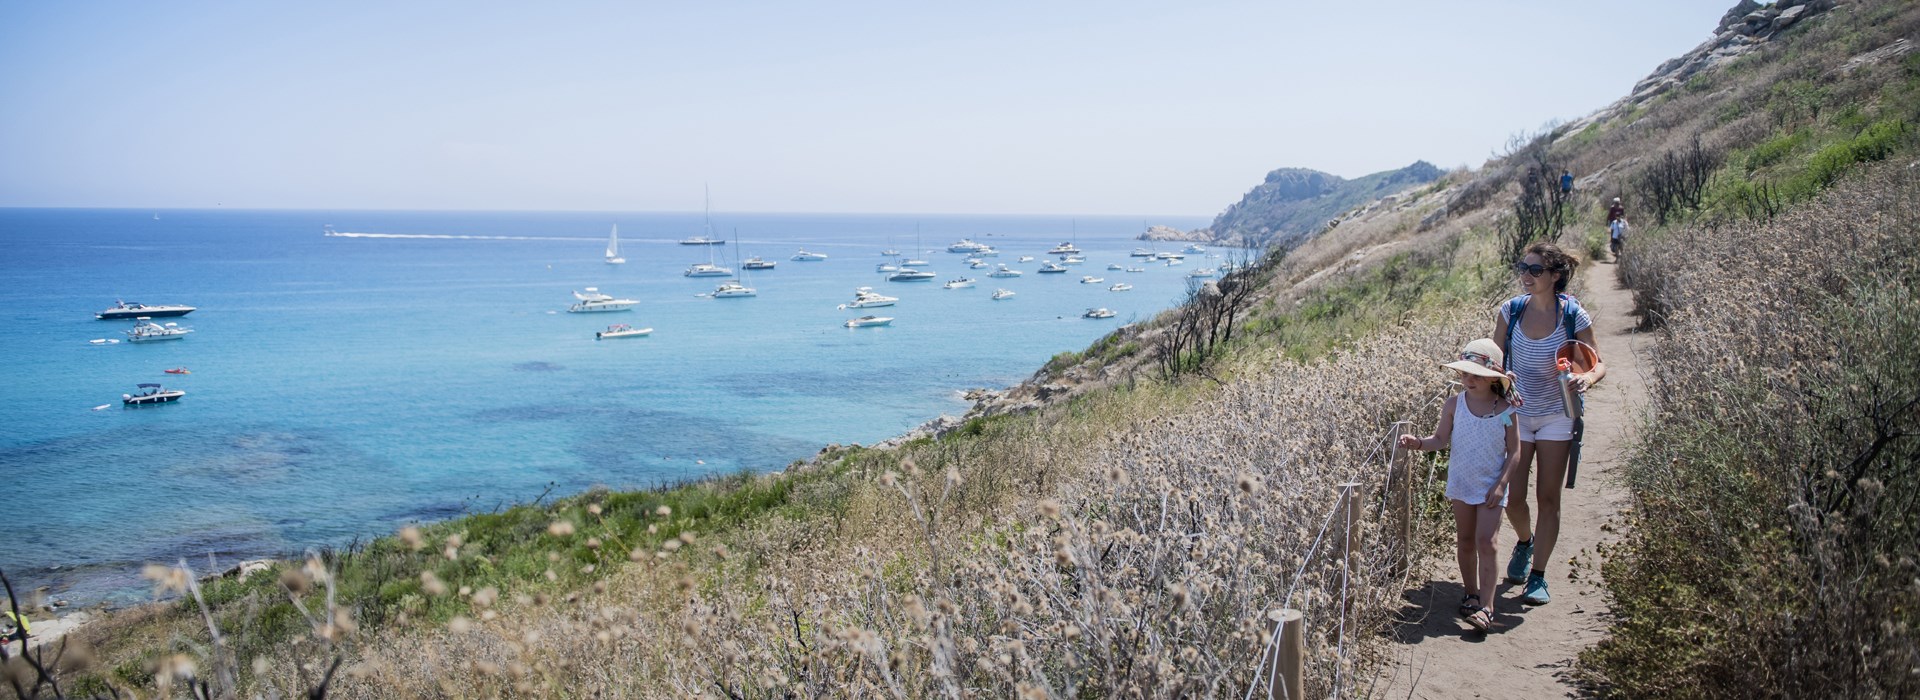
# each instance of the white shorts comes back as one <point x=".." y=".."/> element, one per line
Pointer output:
<point x="1551" y="427"/>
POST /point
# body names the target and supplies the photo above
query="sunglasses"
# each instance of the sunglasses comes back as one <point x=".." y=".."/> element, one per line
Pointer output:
<point x="1481" y="360"/>
<point x="1531" y="270"/>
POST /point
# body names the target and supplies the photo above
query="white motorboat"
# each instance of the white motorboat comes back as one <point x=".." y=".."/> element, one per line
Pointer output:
<point x="1051" y="268"/>
<point x="1194" y="248"/>
<point x="145" y="331"/>
<point x="886" y="267"/>
<point x="1141" y="253"/>
<point x="755" y="263"/>
<point x="708" y="270"/>
<point x="967" y="246"/>
<point x="1004" y="271"/>
<point x="621" y="330"/>
<point x="127" y="309"/>
<point x="593" y="301"/>
<point x="804" y="256"/>
<point x="1090" y="279"/>
<point x="908" y="274"/>
<point x="961" y="283"/>
<point x="1073" y="260"/>
<point x="151" y="394"/>
<point x="910" y="262"/>
<point x="974" y="260"/>
<point x="732" y="289"/>
<point x="1116" y="266"/>
<point x="977" y="265"/>
<point x="1201" y="273"/>
<point x="891" y="253"/>
<point x="865" y="297"/>
<point x="999" y="294"/>
<point x="869" y="321"/>
<point x="988" y="252"/>
<point x="702" y="240"/>
<point x="1064" y="249"/>
<point x="613" y="247"/>
<point x="1121" y="287"/>
<point x="1169" y="256"/>
<point x="1175" y="262"/>
<point x="1102" y="312"/>
<point x="1025" y="258"/>
<point x="1136" y="269"/>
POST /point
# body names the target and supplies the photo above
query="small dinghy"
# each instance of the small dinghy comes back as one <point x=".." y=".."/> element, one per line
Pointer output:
<point x="179" y="370"/>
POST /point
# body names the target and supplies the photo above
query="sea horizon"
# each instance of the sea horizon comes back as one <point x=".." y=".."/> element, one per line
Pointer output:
<point x="341" y="387"/>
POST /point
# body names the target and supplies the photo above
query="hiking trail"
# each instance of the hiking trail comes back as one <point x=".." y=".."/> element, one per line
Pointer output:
<point x="1531" y="651"/>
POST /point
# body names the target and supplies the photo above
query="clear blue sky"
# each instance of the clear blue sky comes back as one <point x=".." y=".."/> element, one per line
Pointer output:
<point x="1112" y="107"/>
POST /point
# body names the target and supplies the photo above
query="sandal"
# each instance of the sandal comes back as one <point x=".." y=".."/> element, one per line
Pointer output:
<point x="1469" y="604"/>
<point x="1481" y="619"/>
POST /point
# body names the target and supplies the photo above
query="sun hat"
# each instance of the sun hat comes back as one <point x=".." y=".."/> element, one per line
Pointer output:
<point x="1481" y="357"/>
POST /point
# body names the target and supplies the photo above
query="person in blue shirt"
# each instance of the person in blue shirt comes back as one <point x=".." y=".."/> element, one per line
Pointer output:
<point x="1566" y="182"/>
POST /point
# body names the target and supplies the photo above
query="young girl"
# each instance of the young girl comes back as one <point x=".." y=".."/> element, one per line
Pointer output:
<point x="1477" y="424"/>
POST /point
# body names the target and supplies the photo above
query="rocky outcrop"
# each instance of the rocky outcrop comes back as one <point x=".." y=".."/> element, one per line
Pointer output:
<point x="1169" y="233"/>
<point x="1292" y="204"/>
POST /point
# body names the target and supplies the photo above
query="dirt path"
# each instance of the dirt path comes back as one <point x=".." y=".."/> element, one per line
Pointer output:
<point x="1437" y="654"/>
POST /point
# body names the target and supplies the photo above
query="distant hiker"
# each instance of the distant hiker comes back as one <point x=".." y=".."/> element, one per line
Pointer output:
<point x="1616" y="236"/>
<point x="1477" y="425"/>
<point x="1616" y="211"/>
<point x="16" y="627"/>
<point x="1531" y="329"/>
<point x="1566" y="182"/>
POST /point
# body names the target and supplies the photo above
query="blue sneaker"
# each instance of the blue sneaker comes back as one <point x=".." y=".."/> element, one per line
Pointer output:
<point x="1517" y="566"/>
<point x="1536" y="591"/>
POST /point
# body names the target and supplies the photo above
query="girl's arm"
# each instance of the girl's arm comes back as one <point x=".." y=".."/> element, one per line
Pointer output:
<point x="1499" y="490"/>
<point x="1599" y="371"/>
<point x="1442" y="434"/>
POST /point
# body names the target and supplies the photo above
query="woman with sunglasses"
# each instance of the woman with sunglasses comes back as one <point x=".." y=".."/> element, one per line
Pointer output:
<point x="1548" y="318"/>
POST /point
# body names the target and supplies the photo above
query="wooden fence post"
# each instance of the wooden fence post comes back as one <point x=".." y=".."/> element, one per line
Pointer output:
<point x="1291" y="673"/>
<point x="1400" y="481"/>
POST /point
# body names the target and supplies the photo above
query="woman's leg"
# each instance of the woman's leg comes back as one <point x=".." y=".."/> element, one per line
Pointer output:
<point x="1485" y="537"/>
<point x="1553" y="473"/>
<point x="1517" y="511"/>
<point x="1464" y="525"/>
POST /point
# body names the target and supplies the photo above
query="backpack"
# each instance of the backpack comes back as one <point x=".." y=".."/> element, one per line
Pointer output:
<point x="1569" y="311"/>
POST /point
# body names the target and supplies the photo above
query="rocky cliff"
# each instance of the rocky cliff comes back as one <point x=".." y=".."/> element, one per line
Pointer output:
<point x="1293" y="203"/>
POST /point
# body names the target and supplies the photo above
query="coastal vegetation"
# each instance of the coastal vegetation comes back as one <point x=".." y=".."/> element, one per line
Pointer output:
<point x="1130" y="534"/>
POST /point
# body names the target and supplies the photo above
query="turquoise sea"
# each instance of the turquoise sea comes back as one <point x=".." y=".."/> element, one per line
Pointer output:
<point x="343" y="386"/>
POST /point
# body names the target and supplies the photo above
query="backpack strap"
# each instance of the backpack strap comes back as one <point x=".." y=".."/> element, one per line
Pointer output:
<point x="1515" y="307"/>
<point x="1569" y="311"/>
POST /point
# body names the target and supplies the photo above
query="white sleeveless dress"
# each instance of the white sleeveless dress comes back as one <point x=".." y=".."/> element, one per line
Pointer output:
<point x="1479" y="451"/>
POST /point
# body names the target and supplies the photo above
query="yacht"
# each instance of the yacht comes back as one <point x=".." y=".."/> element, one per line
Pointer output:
<point x="891" y="253"/>
<point x="1175" y="262"/>
<point x="1072" y="260"/>
<point x="865" y="297"/>
<point x="708" y="269"/>
<point x="1025" y="258"/>
<point x="1169" y="256"/>
<point x="967" y="246"/>
<point x="804" y="256"/>
<point x="1004" y="271"/>
<point x="987" y="252"/>
<point x="974" y="260"/>
<point x="613" y="247"/>
<point x="732" y="289"/>
<point x="145" y="330"/>
<point x="1142" y="253"/>
<point x="621" y="330"/>
<point x="961" y="283"/>
<point x="1064" y="249"/>
<point x="869" y="321"/>
<point x="702" y="240"/>
<point x="1116" y="266"/>
<point x="592" y="301"/>
<point x="999" y="294"/>
<point x="150" y="394"/>
<point x="1051" y="268"/>
<point x="912" y="262"/>
<point x="1136" y="269"/>
<point x="1090" y="279"/>
<point x="755" y="263"/>
<point x="1193" y="248"/>
<point x="1121" y="287"/>
<point x="1201" y="273"/>
<point x="908" y="274"/>
<point x="978" y="265"/>
<point x="886" y="267"/>
<point x="1097" y="313"/>
<point x="127" y="309"/>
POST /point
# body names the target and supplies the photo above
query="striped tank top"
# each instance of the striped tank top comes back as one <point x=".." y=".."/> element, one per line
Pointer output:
<point x="1532" y="361"/>
<point x="1478" y="451"/>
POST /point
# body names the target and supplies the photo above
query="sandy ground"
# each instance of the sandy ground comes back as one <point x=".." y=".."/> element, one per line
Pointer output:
<point x="1531" y="651"/>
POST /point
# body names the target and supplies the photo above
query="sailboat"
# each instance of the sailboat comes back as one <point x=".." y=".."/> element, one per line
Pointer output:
<point x="708" y="268"/>
<point x="734" y="288"/>
<point x="613" y="247"/>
